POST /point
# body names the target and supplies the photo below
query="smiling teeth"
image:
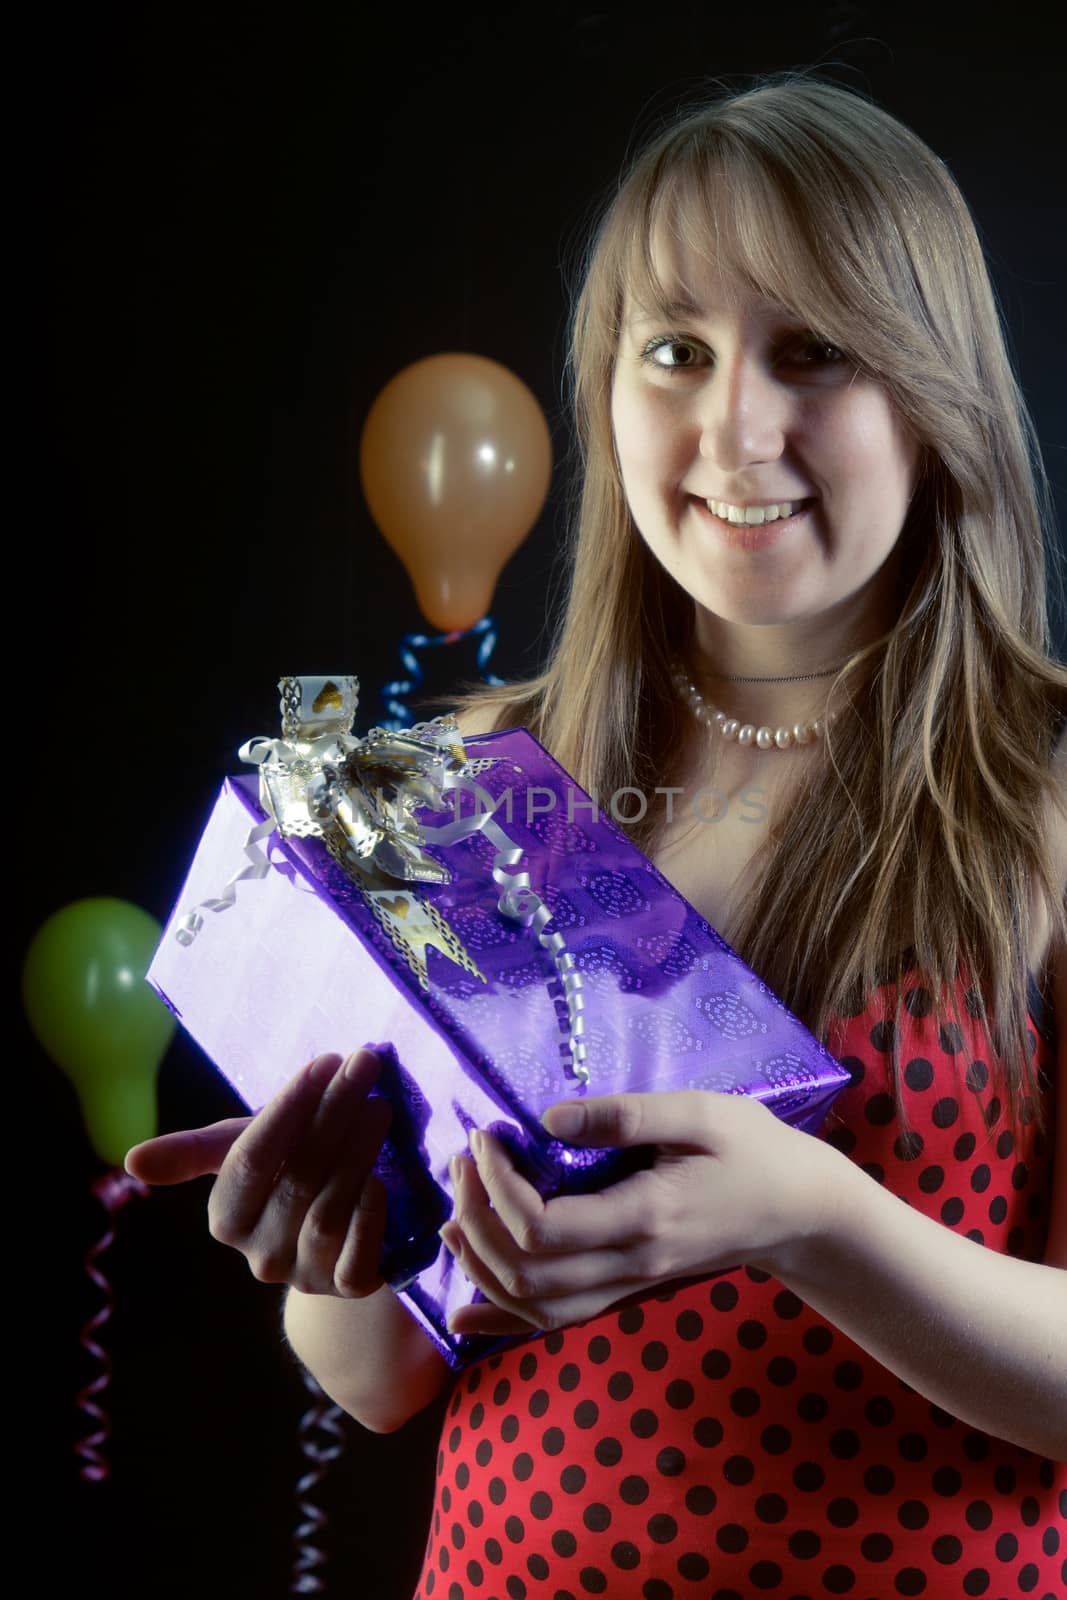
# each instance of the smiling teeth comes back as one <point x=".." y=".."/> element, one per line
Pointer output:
<point x="753" y="514"/>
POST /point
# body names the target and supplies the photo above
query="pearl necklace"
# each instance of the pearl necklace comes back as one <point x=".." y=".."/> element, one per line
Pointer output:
<point x="746" y="733"/>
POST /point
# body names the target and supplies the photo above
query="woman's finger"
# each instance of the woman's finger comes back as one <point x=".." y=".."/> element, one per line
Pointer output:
<point x="247" y="1176"/>
<point x="521" y="1275"/>
<point x="612" y="1218"/>
<point x="337" y="1231"/>
<point x="185" y="1154"/>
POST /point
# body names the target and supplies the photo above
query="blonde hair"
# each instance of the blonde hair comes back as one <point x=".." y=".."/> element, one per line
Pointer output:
<point x="919" y="837"/>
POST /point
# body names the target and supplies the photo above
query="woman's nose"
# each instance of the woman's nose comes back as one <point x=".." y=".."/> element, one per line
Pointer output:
<point x="744" y="413"/>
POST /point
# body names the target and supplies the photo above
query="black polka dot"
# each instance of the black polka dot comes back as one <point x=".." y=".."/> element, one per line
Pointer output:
<point x="564" y="1543"/>
<point x="1020" y="1175"/>
<point x="771" y="1508"/>
<point x="723" y="1296"/>
<point x="947" y="1549"/>
<point x="516" y="1588"/>
<point x="855" y="1066"/>
<point x="679" y="1394"/>
<point x="1005" y="1144"/>
<point x="964" y="1147"/>
<point x="693" y="1566"/>
<point x="670" y="1462"/>
<point x="998" y="1209"/>
<point x="931" y="1179"/>
<point x="484" y="1453"/>
<point x="952" y="1211"/>
<point x="631" y="1319"/>
<point x="947" y="1481"/>
<point x="700" y="1500"/>
<point x="812" y="1407"/>
<point x="776" y="1439"/>
<point x="882" y="1035"/>
<point x="845" y="1444"/>
<point x="817" y="1340"/>
<point x="446" y="1498"/>
<point x="977" y="1076"/>
<point x="540" y="1505"/>
<point x="522" y="1466"/>
<point x="689" y="1325"/>
<point x="592" y="1580"/>
<point x="475" y="1513"/>
<point x="620" y="1386"/>
<point x="625" y="1555"/>
<point x="765" y="1574"/>
<point x="950" y="1038"/>
<point x="1007" y="1547"/>
<point x="809" y="1476"/>
<point x="744" y="1402"/>
<point x="804" y="1544"/>
<point x="919" y="1002"/>
<point x="608" y="1451"/>
<point x="509" y="1428"/>
<point x="980" y="1178"/>
<point x="910" y="1580"/>
<point x="515" y="1529"/>
<point x="458" y="1536"/>
<point x="879" y="1110"/>
<point x="842" y="1512"/>
<point x="707" y="1432"/>
<point x="945" y="1112"/>
<point x="715" y="1364"/>
<point x="463" y="1475"/>
<point x="912" y="1447"/>
<point x="738" y="1470"/>
<point x="876" y="1546"/>
<point x="537" y="1566"/>
<point x="838" y="1579"/>
<point x="596" y="1517"/>
<point x="787" y="1305"/>
<point x="654" y="1356"/>
<point x="976" y="1446"/>
<point x="661" y="1528"/>
<point x="908" y="1146"/>
<point x="751" y="1335"/>
<point x="552" y="1441"/>
<point x="731" y="1538"/>
<point x="781" y="1371"/>
<point x="493" y="1552"/>
<point x="918" y="1073"/>
<point x="599" y="1349"/>
<point x="873" y="1169"/>
<point x="528" y="1365"/>
<point x="633" y="1489"/>
<point x="497" y="1491"/>
<point x="848" y="1375"/>
<point x="657" y="1589"/>
<point x="913" y="1514"/>
<point x="538" y="1403"/>
<point x="879" y="1411"/>
<point x="586" y="1413"/>
<point x="572" y="1479"/>
<point x="976" y="1581"/>
<point x="644" y="1423"/>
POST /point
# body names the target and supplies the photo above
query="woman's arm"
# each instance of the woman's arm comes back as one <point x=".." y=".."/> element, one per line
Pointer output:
<point x="370" y="1356"/>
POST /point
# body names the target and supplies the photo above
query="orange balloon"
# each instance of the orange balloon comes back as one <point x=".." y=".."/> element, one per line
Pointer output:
<point x="455" y="461"/>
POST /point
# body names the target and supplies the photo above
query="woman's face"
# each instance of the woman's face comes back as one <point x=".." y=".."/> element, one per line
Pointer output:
<point x="728" y="400"/>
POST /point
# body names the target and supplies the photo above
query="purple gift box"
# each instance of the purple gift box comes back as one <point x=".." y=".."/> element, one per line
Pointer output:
<point x="489" y="1003"/>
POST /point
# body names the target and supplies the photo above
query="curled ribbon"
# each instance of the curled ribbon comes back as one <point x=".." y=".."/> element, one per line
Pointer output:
<point x="520" y="901"/>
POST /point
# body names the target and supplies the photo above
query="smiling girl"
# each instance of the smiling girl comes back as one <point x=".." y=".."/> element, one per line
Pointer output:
<point x="809" y="560"/>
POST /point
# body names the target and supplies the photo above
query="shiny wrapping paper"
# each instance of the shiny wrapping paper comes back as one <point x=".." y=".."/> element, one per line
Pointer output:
<point x="476" y="1025"/>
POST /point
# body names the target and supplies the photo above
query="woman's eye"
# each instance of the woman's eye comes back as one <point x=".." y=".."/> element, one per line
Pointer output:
<point x="818" y="353"/>
<point x="671" y="354"/>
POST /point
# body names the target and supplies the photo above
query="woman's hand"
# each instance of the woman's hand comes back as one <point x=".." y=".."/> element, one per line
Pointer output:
<point x="295" y="1192"/>
<point x="730" y="1184"/>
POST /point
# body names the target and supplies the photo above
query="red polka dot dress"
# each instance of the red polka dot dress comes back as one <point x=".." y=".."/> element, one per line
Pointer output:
<point x="721" y="1441"/>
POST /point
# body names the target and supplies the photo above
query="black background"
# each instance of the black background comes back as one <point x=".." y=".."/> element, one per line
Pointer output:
<point x="244" y="221"/>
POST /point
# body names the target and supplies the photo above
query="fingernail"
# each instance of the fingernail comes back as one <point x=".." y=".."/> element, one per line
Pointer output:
<point x="455" y="1171"/>
<point x="323" y="1067"/>
<point x="566" y="1122"/>
<point x="452" y="1240"/>
<point x="476" y="1140"/>
<point x="353" y="1063"/>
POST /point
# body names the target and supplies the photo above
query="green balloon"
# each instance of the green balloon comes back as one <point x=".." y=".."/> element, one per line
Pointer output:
<point x="83" y="985"/>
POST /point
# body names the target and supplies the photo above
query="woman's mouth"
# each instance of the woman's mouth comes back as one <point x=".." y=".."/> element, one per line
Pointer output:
<point x="744" y="535"/>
